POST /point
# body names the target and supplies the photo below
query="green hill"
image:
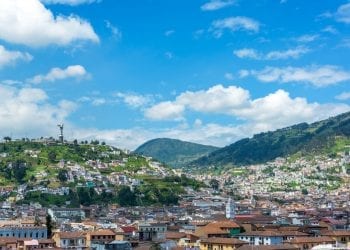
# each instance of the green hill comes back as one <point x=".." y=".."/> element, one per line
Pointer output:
<point x="173" y="152"/>
<point x="323" y="136"/>
<point x="74" y="174"/>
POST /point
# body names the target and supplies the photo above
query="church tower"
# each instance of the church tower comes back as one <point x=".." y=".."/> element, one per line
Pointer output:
<point x="230" y="209"/>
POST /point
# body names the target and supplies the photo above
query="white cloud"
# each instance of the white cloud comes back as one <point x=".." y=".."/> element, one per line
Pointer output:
<point x="307" y="38"/>
<point x="243" y="73"/>
<point x="10" y="82"/>
<point x="216" y="99"/>
<point x="273" y="111"/>
<point x="217" y="4"/>
<point x="37" y="26"/>
<point x="74" y="71"/>
<point x="165" y="111"/>
<point x="330" y="29"/>
<point x="8" y="57"/>
<point x="169" y="32"/>
<point x="134" y="100"/>
<point x="343" y="96"/>
<point x="272" y="55"/>
<point x="27" y="112"/>
<point x="247" y="53"/>
<point x="117" y="34"/>
<point x="290" y="53"/>
<point x="319" y="76"/>
<point x="70" y="2"/>
<point x="234" y="24"/>
<point x="343" y="13"/>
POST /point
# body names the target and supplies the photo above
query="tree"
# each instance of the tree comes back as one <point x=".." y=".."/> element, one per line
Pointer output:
<point x="49" y="225"/>
<point x="52" y="156"/>
<point x="304" y="191"/>
<point x="19" y="170"/>
<point x="126" y="197"/>
<point x="7" y="139"/>
<point x="63" y="175"/>
<point x="214" y="183"/>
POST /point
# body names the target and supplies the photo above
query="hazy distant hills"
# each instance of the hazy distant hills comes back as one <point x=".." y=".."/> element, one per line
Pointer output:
<point x="305" y="138"/>
<point x="173" y="152"/>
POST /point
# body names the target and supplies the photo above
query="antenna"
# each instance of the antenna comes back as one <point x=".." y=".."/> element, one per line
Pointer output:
<point x="60" y="137"/>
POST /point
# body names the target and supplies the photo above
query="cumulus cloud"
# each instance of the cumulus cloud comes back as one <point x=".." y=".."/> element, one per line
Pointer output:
<point x="165" y="111"/>
<point x="217" y="4"/>
<point x="37" y="26"/>
<point x="234" y="24"/>
<point x="319" y="76"/>
<point x="75" y="71"/>
<point x="27" y="111"/>
<point x="70" y="2"/>
<point x="273" y="111"/>
<point x="8" y="57"/>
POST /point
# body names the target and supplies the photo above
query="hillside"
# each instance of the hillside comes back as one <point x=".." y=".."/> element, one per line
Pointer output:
<point x="323" y="136"/>
<point x="173" y="152"/>
<point x="77" y="174"/>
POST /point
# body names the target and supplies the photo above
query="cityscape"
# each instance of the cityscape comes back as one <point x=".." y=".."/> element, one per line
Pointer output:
<point x="174" y="125"/>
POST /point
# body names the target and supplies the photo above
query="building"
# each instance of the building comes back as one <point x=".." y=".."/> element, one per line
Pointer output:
<point x="305" y="243"/>
<point x="230" y="209"/>
<point x="152" y="231"/>
<point x="224" y="229"/>
<point x="62" y="214"/>
<point x="102" y="237"/>
<point x="70" y="240"/>
<point x="262" y="237"/>
<point x="27" y="232"/>
<point x="221" y="244"/>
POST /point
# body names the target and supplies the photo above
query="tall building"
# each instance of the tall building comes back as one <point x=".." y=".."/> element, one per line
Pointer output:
<point x="230" y="209"/>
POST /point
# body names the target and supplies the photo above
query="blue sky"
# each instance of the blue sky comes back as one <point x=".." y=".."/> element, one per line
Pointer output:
<point x="207" y="71"/>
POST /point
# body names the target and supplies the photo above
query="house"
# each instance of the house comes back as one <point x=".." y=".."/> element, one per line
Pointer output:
<point x="261" y="237"/>
<point x="61" y="214"/>
<point x="221" y="243"/>
<point x="35" y="244"/>
<point x="305" y="243"/>
<point x="130" y="232"/>
<point x="100" y="237"/>
<point x="152" y="231"/>
<point x="224" y="229"/>
<point x="342" y="237"/>
<point x="70" y="240"/>
<point x="269" y="247"/>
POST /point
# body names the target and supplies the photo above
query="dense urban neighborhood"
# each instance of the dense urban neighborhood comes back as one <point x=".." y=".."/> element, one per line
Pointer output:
<point x="87" y="195"/>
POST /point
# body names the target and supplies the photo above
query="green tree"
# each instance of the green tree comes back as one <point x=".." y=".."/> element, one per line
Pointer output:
<point x="49" y="225"/>
<point x="126" y="197"/>
<point x="52" y="156"/>
<point x="7" y="139"/>
<point x="62" y="175"/>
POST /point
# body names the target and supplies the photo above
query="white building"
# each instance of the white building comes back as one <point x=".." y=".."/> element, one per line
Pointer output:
<point x="230" y="209"/>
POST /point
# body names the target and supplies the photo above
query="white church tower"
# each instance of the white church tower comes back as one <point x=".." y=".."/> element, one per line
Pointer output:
<point x="230" y="209"/>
